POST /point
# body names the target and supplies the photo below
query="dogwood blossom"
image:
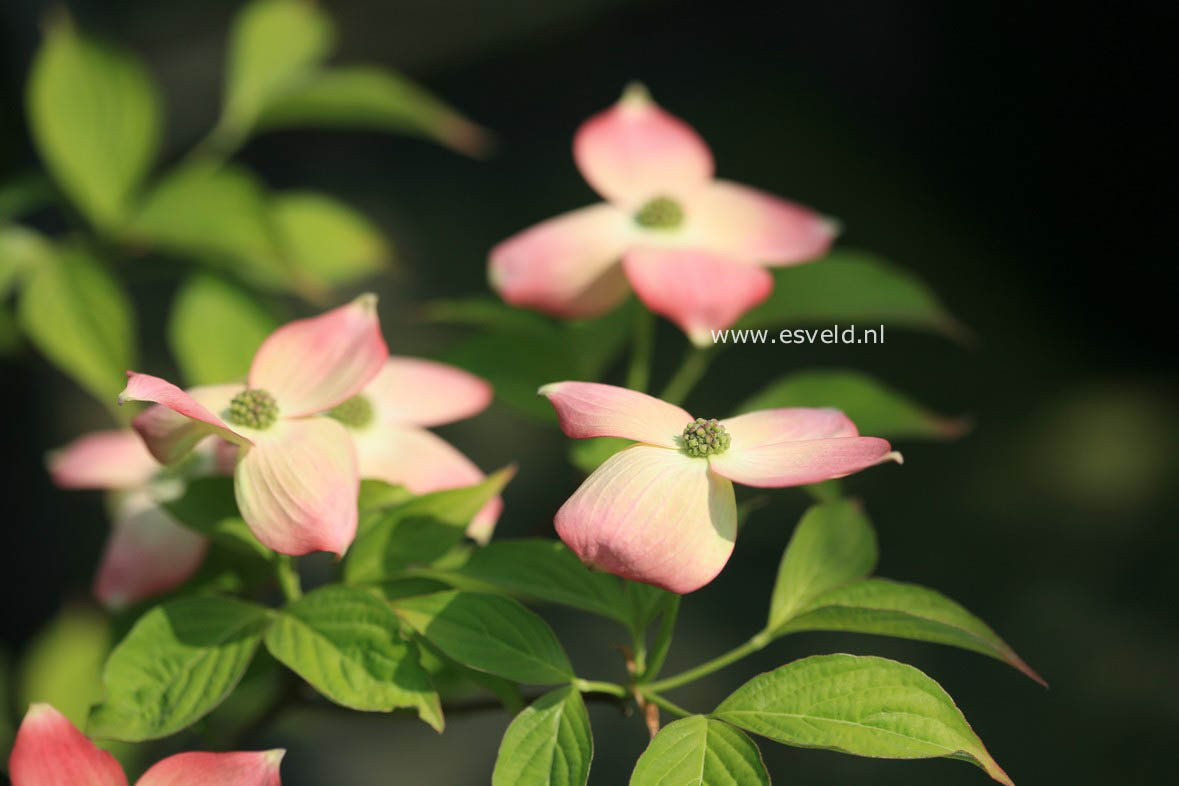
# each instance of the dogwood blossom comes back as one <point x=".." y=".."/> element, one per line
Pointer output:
<point x="296" y="478"/>
<point x="663" y="511"/>
<point x="49" y="751"/>
<point x="692" y="247"/>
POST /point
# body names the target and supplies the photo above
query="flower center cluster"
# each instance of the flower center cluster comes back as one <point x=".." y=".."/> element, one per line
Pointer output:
<point x="356" y="412"/>
<point x="706" y="438"/>
<point x="253" y="409"/>
<point x="660" y="213"/>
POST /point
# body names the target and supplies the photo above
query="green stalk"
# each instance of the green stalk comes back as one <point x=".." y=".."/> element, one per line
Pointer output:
<point x="692" y="368"/>
<point x="593" y="686"/>
<point x="288" y="578"/>
<point x="638" y="374"/>
<point x="663" y="703"/>
<point x="704" y="669"/>
<point x="671" y="608"/>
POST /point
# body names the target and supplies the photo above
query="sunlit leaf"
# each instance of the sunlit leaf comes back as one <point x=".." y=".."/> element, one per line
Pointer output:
<point x="875" y="408"/>
<point x="81" y="319"/>
<point x="908" y="611"/>
<point x="548" y="744"/>
<point x="179" y="661"/>
<point x="214" y="329"/>
<point x="347" y="644"/>
<point x="418" y="531"/>
<point x="865" y="706"/>
<point x="700" y="751"/>
<point x="95" y="119"/>
<point x="370" y="97"/>
<point x="832" y="545"/>
<point x="273" y="46"/>
<point x="488" y="633"/>
<point x="327" y="240"/>
<point x="848" y="287"/>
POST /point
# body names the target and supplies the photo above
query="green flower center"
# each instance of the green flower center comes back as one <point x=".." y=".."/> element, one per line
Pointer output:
<point x="356" y="412"/>
<point x="705" y="438"/>
<point x="254" y="409"/>
<point x="660" y="213"/>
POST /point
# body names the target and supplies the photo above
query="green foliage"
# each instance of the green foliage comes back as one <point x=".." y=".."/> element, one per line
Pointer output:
<point x="327" y="241"/>
<point x="700" y="751"/>
<point x="376" y="494"/>
<point x="833" y="544"/>
<point x="875" y="408"/>
<point x="208" y="506"/>
<point x="22" y="252"/>
<point x="63" y="664"/>
<point x="518" y="351"/>
<point x="488" y="633"/>
<point x="371" y="97"/>
<point x="214" y="329"/>
<point x="178" y="662"/>
<point x="865" y="706"/>
<point x="81" y="319"/>
<point x="347" y="644"/>
<point x="588" y="454"/>
<point x="548" y="744"/>
<point x="852" y="286"/>
<point x="418" y="531"/>
<point x="95" y="119"/>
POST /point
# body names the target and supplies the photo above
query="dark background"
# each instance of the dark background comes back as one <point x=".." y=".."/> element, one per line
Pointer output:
<point x="1010" y="157"/>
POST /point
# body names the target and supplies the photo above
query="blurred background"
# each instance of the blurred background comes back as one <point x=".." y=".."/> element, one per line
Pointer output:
<point x="1006" y="156"/>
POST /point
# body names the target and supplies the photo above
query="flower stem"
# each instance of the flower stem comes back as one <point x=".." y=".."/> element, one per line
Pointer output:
<point x="638" y="374"/>
<point x="288" y="578"/>
<point x="671" y="608"/>
<point x="719" y="662"/>
<point x="592" y="686"/>
<point x="694" y="365"/>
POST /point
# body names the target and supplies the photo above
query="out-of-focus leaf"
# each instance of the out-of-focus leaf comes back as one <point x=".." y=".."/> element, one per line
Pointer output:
<point x="209" y="507"/>
<point x="865" y="706"/>
<point x="832" y="545"/>
<point x="256" y="694"/>
<point x="909" y="611"/>
<point x="7" y="727"/>
<point x="875" y="408"/>
<point x="849" y="286"/>
<point x="214" y="329"/>
<point x="95" y="119"/>
<point x="273" y="46"/>
<point x="370" y="97"/>
<point x="22" y="251"/>
<point x="418" y="531"/>
<point x="9" y="333"/>
<point x="81" y="319"/>
<point x="488" y="633"/>
<point x="347" y="644"/>
<point x="24" y="194"/>
<point x="180" y="660"/>
<point x="700" y="751"/>
<point x="548" y="744"/>
<point x="327" y="240"/>
<point x="588" y="454"/>
<point x="62" y="665"/>
<point x="375" y="494"/>
<point x="216" y="212"/>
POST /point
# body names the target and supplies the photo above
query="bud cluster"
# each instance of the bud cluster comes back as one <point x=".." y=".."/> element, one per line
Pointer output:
<point x="705" y="438"/>
<point x="660" y="213"/>
<point x="255" y="409"/>
<point x="356" y="412"/>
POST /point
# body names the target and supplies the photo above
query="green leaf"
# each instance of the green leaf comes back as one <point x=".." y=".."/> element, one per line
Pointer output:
<point x="347" y="644"/>
<point x="832" y="545"/>
<point x="209" y="507"/>
<point x="62" y="665"/>
<point x="908" y="611"/>
<point x="588" y="454"/>
<point x="218" y="213"/>
<point x="274" y="45"/>
<point x="865" y="706"/>
<point x="95" y="119"/>
<point x="22" y="252"/>
<point x="849" y="286"/>
<point x="544" y="570"/>
<point x="875" y="408"/>
<point x="179" y="661"/>
<point x="700" y="751"/>
<point x="23" y="194"/>
<point x="370" y="97"/>
<point x="376" y="494"/>
<point x="214" y="329"/>
<point x="418" y="531"/>
<point x="327" y="240"/>
<point x="488" y="633"/>
<point x="81" y="319"/>
<point x="548" y="744"/>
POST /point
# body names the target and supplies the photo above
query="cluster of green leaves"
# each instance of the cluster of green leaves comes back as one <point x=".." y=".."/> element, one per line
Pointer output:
<point x="96" y="119"/>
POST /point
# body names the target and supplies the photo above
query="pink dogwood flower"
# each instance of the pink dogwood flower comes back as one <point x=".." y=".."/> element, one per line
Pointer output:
<point x="663" y="511"/>
<point x="691" y="246"/>
<point x="148" y="552"/>
<point x="388" y="422"/>
<point x="49" y="751"/>
<point x="296" y="478"/>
